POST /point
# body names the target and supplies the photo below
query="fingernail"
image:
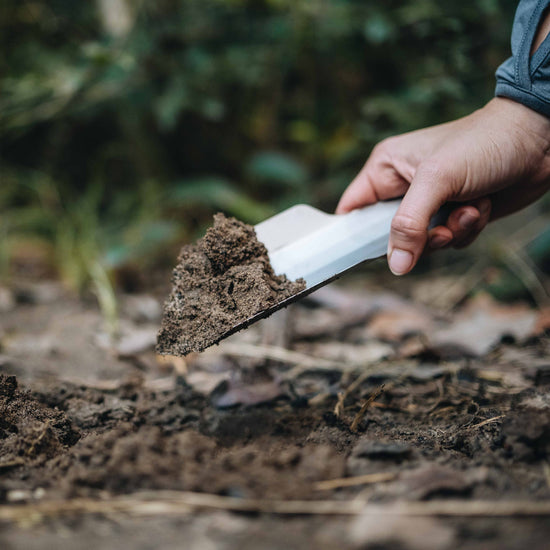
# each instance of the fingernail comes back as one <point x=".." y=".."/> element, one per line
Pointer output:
<point x="400" y="261"/>
<point x="439" y="241"/>
<point x="467" y="220"/>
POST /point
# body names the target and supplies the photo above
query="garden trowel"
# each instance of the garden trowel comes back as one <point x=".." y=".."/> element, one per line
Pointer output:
<point x="303" y="242"/>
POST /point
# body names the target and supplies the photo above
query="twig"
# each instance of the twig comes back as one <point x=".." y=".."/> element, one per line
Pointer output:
<point x="302" y="361"/>
<point x="356" y="383"/>
<point x="339" y="407"/>
<point x="165" y="503"/>
<point x="366" y="479"/>
<point x="431" y="409"/>
<point x="363" y="411"/>
<point x="488" y="421"/>
<point x="274" y="353"/>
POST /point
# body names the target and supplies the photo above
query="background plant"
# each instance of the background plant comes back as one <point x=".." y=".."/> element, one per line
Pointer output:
<point x="125" y="124"/>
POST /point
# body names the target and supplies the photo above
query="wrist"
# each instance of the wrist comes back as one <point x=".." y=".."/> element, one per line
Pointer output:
<point x="529" y="133"/>
<point x="521" y="116"/>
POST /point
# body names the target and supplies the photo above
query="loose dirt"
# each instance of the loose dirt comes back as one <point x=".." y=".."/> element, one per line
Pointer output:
<point x="30" y="432"/>
<point x="93" y="462"/>
<point x="221" y="281"/>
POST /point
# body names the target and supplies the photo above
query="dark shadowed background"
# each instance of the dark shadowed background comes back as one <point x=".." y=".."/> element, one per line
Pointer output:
<point x="125" y="124"/>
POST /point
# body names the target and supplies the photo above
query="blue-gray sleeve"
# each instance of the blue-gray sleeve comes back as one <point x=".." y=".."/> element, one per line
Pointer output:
<point x="522" y="77"/>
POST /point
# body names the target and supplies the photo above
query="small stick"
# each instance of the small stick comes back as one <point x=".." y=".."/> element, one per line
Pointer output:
<point x="339" y="407"/>
<point x="163" y="503"/>
<point x="343" y="395"/>
<point x="275" y="353"/>
<point x="366" y="479"/>
<point x="488" y="421"/>
<point x="363" y="411"/>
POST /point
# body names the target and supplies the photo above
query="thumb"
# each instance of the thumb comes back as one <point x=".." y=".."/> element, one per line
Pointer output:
<point x="409" y="228"/>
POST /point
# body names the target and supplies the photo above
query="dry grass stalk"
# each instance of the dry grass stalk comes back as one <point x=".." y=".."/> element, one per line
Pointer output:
<point x="173" y="503"/>
<point x="302" y="362"/>
<point x="488" y="421"/>
<point x="366" y="479"/>
<point x="274" y="353"/>
<point x="340" y="407"/>
<point x="364" y="408"/>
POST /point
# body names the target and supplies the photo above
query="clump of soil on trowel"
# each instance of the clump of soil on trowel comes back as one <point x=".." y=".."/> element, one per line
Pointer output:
<point x="221" y="281"/>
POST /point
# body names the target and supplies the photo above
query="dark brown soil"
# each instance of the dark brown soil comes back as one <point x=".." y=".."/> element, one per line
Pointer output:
<point x="454" y="429"/>
<point x="221" y="281"/>
<point x="30" y="432"/>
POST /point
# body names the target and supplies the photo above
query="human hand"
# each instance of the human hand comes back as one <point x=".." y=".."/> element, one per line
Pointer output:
<point x="495" y="161"/>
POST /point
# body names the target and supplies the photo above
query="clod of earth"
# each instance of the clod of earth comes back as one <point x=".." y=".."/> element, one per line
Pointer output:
<point x="30" y="430"/>
<point x="220" y="282"/>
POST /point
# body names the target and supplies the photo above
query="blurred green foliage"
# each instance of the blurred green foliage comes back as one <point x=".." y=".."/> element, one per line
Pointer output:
<point x="125" y="123"/>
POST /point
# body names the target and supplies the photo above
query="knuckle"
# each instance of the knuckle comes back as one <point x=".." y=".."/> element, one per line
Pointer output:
<point x="405" y="226"/>
<point x="385" y="147"/>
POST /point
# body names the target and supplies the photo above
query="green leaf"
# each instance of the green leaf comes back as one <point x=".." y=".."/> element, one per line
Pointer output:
<point x="275" y="167"/>
<point x="378" y="29"/>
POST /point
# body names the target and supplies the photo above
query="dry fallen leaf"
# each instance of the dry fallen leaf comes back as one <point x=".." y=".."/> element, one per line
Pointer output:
<point x="236" y="392"/>
<point x="136" y="340"/>
<point x="483" y="323"/>
<point x="349" y="353"/>
<point x="433" y="479"/>
<point x="396" y="324"/>
<point x="205" y="382"/>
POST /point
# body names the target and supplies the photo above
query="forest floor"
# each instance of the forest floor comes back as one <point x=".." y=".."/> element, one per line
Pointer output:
<point x="358" y="418"/>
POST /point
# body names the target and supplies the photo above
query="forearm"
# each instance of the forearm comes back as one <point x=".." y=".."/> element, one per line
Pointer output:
<point x="542" y="32"/>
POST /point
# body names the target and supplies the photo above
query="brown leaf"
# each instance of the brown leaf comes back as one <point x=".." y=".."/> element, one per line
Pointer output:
<point x="433" y="479"/>
<point x="396" y="324"/>
<point x="235" y="392"/>
<point x="483" y="323"/>
<point x="136" y="340"/>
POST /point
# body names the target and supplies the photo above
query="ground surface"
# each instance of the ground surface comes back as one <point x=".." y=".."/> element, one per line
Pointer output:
<point x="358" y="419"/>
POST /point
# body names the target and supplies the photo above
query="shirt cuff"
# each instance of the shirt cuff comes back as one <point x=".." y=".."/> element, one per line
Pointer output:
<point x="525" y="97"/>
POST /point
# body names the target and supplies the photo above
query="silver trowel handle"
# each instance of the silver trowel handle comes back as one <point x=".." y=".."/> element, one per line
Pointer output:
<point x="305" y="242"/>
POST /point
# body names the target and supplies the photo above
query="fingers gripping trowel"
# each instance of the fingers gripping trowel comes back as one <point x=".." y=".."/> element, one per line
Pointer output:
<point x="303" y="242"/>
